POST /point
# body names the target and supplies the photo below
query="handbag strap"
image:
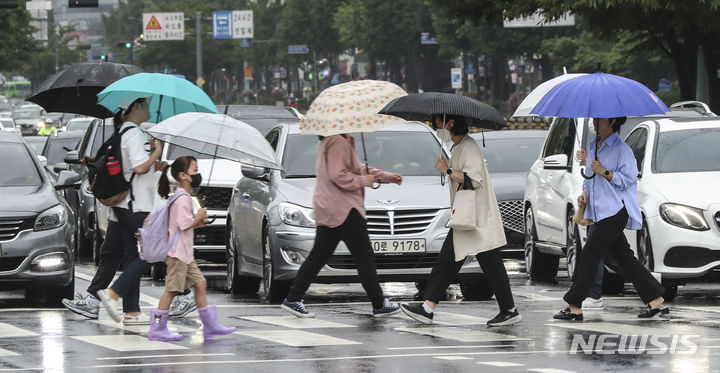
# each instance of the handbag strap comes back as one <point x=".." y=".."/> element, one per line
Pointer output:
<point x="467" y="183"/>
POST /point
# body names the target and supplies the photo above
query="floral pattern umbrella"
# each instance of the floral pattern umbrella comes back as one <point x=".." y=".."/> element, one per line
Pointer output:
<point x="351" y="107"/>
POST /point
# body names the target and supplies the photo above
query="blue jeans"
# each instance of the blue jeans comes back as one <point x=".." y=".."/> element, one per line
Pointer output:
<point x="128" y="284"/>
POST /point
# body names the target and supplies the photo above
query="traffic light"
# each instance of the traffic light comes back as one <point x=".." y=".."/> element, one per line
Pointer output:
<point x="8" y="4"/>
<point x="82" y="3"/>
<point x="102" y="58"/>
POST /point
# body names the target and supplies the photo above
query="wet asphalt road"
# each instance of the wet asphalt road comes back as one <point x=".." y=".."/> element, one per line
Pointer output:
<point x="345" y="338"/>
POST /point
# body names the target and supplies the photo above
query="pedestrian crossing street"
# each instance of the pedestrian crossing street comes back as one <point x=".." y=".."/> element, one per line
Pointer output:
<point x="346" y="332"/>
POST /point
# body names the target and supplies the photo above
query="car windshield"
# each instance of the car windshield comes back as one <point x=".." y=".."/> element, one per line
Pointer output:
<point x="27" y="114"/>
<point x="19" y="169"/>
<point x="511" y="155"/>
<point x="79" y="124"/>
<point x="691" y="150"/>
<point x="57" y="148"/>
<point x="263" y="125"/>
<point x="6" y="124"/>
<point x="406" y="153"/>
<point x="99" y="138"/>
<point x="175" y="151"/>
<point x="37" y="143"/>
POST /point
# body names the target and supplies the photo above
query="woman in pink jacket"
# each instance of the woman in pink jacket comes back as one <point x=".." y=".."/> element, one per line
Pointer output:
<point x="338" y="204"/>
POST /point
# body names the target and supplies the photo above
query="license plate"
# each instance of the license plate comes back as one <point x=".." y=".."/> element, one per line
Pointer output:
<point x="398" y="246"/>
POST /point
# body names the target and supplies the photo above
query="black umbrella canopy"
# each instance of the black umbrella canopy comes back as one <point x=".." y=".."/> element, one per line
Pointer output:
<point x="421" y="106"/>
<point x="75" y="89"/>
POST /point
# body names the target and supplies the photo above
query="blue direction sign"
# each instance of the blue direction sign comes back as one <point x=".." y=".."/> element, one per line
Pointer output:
<point x="298" y="49"/>
<point x="222" y="25"/>
<point x="245" y="43"/>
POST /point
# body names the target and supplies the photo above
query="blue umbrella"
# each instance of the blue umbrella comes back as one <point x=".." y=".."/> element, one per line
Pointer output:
<point x="169" y="95"/>
<point x="599" y="95"/>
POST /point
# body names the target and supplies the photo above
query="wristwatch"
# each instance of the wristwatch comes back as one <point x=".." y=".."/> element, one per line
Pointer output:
<point x="449" y="171"/>
<point x="606" y="173"/>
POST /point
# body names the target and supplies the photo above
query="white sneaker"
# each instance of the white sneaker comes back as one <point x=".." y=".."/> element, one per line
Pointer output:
<point x="111" y="305"/>
<point x="140" y="319"/>
<point x="592" y="304"/>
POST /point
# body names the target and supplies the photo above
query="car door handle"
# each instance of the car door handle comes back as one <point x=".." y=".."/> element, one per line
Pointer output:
<point x="245" y="196"/>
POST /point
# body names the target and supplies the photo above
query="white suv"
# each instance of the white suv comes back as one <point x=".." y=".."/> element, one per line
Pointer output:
<point x="551" y="191"/>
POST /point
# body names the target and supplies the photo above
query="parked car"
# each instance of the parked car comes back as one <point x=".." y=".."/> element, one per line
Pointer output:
<point x="57" y="147"/>
<point x="262" y="117"/>
<point x="509" y="155"/>
<point x="679" y="164"/>
<point x="36" y="225"/>
<point x="270" y="227"/>
<point x="78" y="124"/>
<point x="551" y="191"/>
<point x="37" y="143"/>
<point x="7" y="124"/>
<point x="29" y="118"/>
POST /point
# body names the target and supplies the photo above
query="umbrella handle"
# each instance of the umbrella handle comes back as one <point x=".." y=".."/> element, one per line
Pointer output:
<point x="582" y="172"/>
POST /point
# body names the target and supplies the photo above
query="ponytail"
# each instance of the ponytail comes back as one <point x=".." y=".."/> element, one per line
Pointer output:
<point x="164" y="183"/>
<point x="181" y="164"/>
<point x="118" y="120"/>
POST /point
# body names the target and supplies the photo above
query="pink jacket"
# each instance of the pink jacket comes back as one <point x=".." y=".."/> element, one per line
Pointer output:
<point x="182" y="217"/>
<point x="340" y="185"/>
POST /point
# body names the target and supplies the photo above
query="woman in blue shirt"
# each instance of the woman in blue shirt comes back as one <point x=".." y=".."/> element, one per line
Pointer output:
<point x="611" y="202"/>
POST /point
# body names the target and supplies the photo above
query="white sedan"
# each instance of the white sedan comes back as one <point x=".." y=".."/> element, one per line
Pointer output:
<point x="679" y="164"/>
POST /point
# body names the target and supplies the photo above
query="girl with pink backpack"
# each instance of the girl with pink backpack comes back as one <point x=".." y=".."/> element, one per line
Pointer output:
<point x="182" y="271"/>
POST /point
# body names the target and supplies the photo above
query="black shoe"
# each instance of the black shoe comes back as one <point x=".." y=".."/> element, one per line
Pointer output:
<point x="567" y="315"/>
<point x="505" y="318"/>
<point x="417" y="312"/>
<point x="651" y="312"/>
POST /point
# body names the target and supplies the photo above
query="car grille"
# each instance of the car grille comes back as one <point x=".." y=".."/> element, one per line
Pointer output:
<point x="402" y="261"/>
<point x="214" y="198"/>
<point x="399" y="222"/>
<point x="11" y="263"/>
<point x="210" y="236"/>
<point x="717" y="219"/>
<point x="514" y="239"/>
<point x="9" y="228"/>
<point x="512" y="215"/>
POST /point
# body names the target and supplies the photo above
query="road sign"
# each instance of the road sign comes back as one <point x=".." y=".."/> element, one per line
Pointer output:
<point x="164" y="26"/>
<point x="456" y="76"/>
<point x="245" y="43"/>
<point x="298" y="49"/>
<point x="38" y="5"/>
<point x="200" y="81"/>
<point x="426" y="39"/>
<point x="236" y="24"/>
<point x="248" y="74"/>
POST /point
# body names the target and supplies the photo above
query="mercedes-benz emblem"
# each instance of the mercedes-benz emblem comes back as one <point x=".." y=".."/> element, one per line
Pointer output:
<point x="388" y="201"/>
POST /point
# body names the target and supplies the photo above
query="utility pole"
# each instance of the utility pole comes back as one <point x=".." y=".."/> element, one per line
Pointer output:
<point x="315" y="72"/>
<point x="198" y="45"/>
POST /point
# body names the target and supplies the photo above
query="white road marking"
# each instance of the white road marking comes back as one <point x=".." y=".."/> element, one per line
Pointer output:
<point x="461" y="334"/>
<point x="297" y="338"/>
<point x="501" y="364"/>
<point x="448" y="347"/>
<point x="611" y="328"/>
<point x="446" y="318"/>
<point x="128" y="343"/>
<point x="161" y="356"/>
<point x="550" y="370"/>
<point x="452" y="357"/>
<point x="140" y="329"/>
<point x="295" y="322"/>
<point x="8" y="331"/>
<point x="143" y="297"/>
<point x="4" y="352"/>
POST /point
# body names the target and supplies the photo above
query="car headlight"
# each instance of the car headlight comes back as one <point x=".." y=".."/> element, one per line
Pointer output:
<point x="53" y="217"/>
<point x="683" y="216"/>
<point x="49" y="262"/>
<point x="293" y="214"/>
<point x="40" y="124"/>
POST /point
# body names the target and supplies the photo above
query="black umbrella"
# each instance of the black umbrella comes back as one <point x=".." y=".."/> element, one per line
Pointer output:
<point x="75" y="89"/>
<point x="421" y="106"/>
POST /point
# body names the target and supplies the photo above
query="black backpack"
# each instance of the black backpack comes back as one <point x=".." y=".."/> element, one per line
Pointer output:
<point x="109" y="189"/>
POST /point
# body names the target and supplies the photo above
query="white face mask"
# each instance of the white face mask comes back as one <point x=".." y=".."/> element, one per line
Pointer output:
<point x="444" y="135"/>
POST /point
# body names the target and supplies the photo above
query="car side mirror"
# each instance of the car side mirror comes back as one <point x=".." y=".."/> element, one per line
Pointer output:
<point x="67" y="179"/>
<point x="43" y="160"/>
<point x="556" y="162"/>
<point x="60" y="166"/>
<point x="255" y="173"/>
<point x="72" y="157"/>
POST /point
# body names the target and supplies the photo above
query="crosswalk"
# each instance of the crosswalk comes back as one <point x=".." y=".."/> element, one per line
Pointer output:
<point x="455" y="338"/>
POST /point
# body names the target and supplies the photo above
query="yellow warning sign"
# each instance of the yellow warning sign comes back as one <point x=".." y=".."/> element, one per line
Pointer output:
<point x="153" y="24"/>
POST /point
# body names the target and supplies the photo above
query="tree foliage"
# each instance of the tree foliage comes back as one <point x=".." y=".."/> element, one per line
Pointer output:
<point x="16" y="43"/>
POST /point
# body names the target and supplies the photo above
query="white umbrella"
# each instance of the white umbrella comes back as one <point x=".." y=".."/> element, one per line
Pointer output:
<point x="217" y="135"/>
<point x="534" y="97"/>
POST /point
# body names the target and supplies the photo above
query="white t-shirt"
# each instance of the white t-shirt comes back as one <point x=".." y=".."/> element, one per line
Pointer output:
<point x="135" y="148"/>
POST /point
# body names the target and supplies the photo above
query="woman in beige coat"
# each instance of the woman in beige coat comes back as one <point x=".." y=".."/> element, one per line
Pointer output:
<point x="483" y="241"/>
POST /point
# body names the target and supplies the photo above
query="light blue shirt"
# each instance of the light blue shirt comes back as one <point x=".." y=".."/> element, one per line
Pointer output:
<point x="606" y="197"/>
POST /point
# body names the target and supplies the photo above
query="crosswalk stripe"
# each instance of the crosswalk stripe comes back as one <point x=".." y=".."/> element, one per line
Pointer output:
<point x="550" y="370"/>
<point x="500" y="364"/>
<point x="143" y="328"/>
<point x="8" y="331"/>
<point x="461" y="334"/>
<point x="448" y="347"/>
<point x="295" y="322"/>
<point x="297" y="338"/>
<point x="610" y="328"/>
<point x="446" y="318"/>
<point x="452" y="358"/>
<point x="4" y="352"/>
<point x="125" y="343"/>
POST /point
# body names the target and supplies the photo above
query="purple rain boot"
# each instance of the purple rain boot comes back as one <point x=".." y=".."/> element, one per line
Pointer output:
<point x="158" y="327"/>
<point x="211" y="325"/>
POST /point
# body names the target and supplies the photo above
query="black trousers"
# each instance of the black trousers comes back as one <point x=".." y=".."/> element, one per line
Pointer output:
<point x="120" y="246"/>
<point x="606" y="237"/>
<point x="355" y="235"/>
<point x="446" y="269"/>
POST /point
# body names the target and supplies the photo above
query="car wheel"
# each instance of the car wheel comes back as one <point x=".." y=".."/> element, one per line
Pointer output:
<point x="539" y="266"/>
<point x="644" y="245"/>
<point x="275" y="290"/>
<point x="476" y="289"/>
<point x="55" y="294"/>
<point x="671" y="291"/>
<point x="237" y="284"/>
<point x="572" y="246"/>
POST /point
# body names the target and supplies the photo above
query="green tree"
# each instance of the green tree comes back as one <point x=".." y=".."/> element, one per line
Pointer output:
<point x="55" y="55"/>
<point x="16" y="43"/>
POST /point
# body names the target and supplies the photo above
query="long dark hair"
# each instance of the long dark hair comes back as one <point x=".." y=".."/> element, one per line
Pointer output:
<point x="119" y="117"/>
<point x="181" y="164"/>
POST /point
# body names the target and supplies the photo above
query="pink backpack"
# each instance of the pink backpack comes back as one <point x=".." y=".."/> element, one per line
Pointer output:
<point x="153" y="241"/>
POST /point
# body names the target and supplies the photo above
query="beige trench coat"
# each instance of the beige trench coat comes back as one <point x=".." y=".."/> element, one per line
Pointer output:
<point x="489" y="233"/>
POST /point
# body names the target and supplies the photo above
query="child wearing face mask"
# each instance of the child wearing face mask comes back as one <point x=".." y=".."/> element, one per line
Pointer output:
<point x="182" y="271"/>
